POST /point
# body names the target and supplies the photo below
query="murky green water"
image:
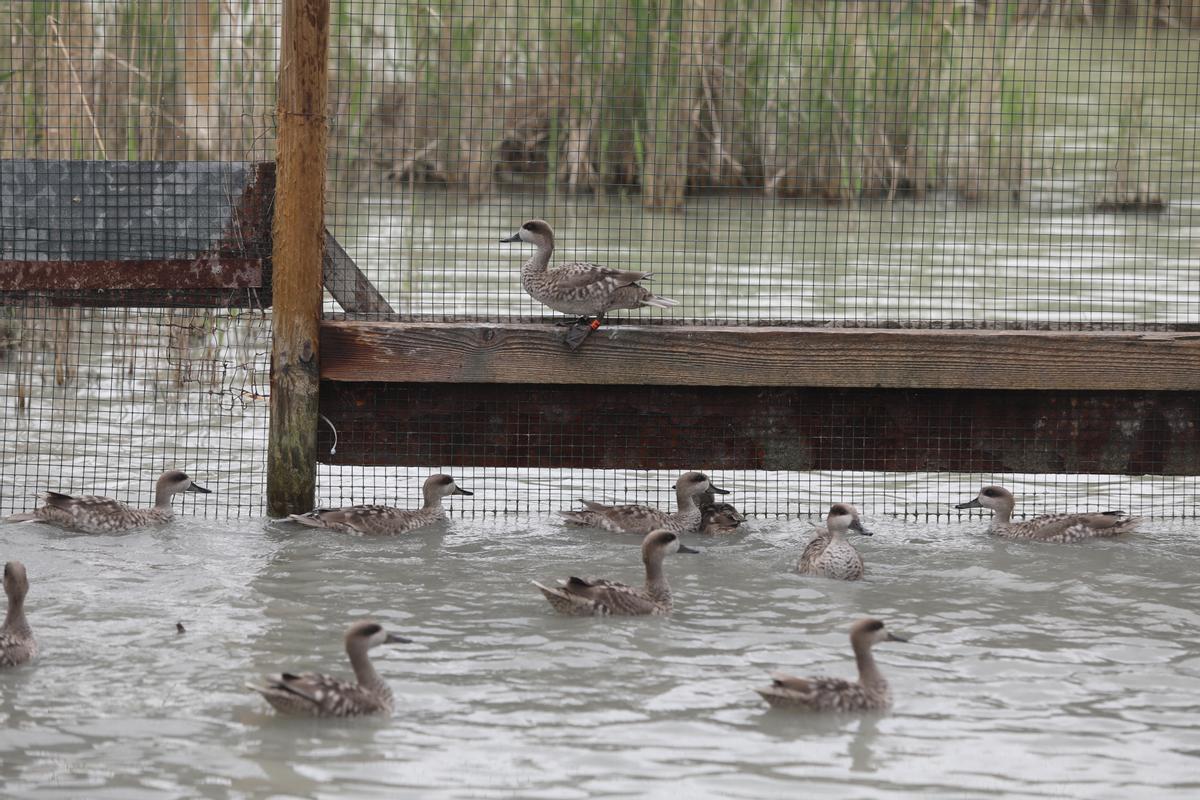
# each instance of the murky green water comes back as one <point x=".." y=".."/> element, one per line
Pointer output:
<point x="1047" y="258"/>
<point x="1033" y="670"/>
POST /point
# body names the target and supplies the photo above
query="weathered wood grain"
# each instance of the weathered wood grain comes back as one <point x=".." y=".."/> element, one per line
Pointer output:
<point x="353" y="291"/>
<point x="686" y="355"/>
<point x="299" y="242"/>
<point x="206" y="272"/>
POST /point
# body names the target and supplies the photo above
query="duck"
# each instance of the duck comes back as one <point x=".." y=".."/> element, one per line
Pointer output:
<point x="374" y="519"/>
<point x="869" y="693"/>
<point x="91" y="514"/>
<point x="1055" y="528"/>
<point x="717" y="518"/>
<point x="579" y="288"/>
<point x="313" y="694"/>
<point x="829" y="554"/>
<point x="598" y="597"/>
<point x="17" y="645"/>
<point x="644" y="519"/>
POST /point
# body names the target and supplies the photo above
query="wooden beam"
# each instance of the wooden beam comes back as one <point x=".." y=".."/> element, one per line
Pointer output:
<point x="205" y="272"/>
<point x="299" y="237"/>
<point x="782" y="428"/>
<point x="347" y="283"/>
<point x="686" y="355"/>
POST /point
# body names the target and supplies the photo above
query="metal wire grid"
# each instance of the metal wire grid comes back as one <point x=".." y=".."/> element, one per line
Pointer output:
<point x="106" y="108"/>
<point x="101" y="401"/>
<point x="865" y="163"/>
<point x="892" y="456"/>
<point x="1085" y="113"/>
<point x="761" y="494"/>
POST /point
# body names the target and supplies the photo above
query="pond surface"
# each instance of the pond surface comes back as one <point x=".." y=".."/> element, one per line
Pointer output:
<point x="1033" y="670"/>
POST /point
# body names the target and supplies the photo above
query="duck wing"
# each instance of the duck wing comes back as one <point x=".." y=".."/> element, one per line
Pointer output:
<point x="314" y="694"/>
<point x="582" y="275"/>
<point x="92" y="514"/>
<point x="371" y="519"/>
<point x="1069" y="527"/>
<point x="92" y="503"/>
<point x="618" y="598"/>
<point x="814" y="694"/>
<point x="618" y="519"/>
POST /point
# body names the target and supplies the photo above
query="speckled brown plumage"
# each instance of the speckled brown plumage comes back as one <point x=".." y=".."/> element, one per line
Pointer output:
<point x="1053" y="528"/>
<point x="643" y="519"/>
<point x="598" y="597"/>
<point x="869" y="693"/>
<point x="382" y="520"/>
<point x="316" y="695"/>
<point x="829" y="554"/>
<point x="578" y="287"/>
<point x="17" y="645"/>
<point x="92" y="514"/>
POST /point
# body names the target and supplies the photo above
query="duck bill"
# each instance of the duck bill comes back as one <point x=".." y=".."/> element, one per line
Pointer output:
<point x="195" y="487"/>
<point x="516" y="237"/>
<point x="858" y="527"/>
<point x="683" y="548"/>
<point x="891" y="637"/>
<point x="460" y="490"/>
<point x="970" y="504"/>
<point x="715" y="490"/>
<point x="394" y="639"/>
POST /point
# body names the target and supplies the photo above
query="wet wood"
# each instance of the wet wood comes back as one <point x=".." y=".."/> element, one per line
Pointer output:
<point x="299" y="243"/>
<point x="214" y="272"/>
<point x="347" y="283"/>
<point x="782" y="428"/>
<point x="688" y="355"/>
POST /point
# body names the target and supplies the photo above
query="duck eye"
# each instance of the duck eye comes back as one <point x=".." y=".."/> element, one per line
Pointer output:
<point x="528" y="226"/>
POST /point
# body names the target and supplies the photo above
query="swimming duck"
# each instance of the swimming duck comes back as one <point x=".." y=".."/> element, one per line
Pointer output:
<point x="597" y="597"/>
<point x="315" y="695"/>
<point x="643" y="519"/>
<point x="717" y="518"/>
<point x="17" y="644"/>
<point x="829" y="554"/>
<point x="386" y="519"/>
<point x="91" y="514"/>
<point x="869" y="693"/>
<point x="579" y="287"/>
<point x="1057" y="528"/>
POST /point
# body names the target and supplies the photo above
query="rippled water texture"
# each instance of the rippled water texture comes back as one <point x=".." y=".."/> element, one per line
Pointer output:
<point x="1034" y="670"/>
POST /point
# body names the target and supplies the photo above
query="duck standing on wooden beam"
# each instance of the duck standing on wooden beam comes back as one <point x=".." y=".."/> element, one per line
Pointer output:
<point x="589" y="290"/>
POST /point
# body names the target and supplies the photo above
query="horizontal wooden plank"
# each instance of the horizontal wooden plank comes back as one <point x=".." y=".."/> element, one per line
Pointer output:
<point x="210" y="272"/>
<point x="782" y="428"/>
<point x="686" y="355"/>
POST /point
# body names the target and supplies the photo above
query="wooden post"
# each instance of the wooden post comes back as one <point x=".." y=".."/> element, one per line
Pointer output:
<point x="299" y="241"/>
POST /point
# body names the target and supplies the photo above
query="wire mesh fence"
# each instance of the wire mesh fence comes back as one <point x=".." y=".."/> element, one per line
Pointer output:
<point x="932" y="163"/>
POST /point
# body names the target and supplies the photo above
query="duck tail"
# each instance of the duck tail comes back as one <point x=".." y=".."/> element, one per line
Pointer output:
<point x="660" y="302"/>
<point x="24" y="516"/>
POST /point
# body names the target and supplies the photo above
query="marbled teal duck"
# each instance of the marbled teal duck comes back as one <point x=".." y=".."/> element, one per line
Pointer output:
<point x="869" y="693"/>
<point x="579" y="288"/>
<point x="598" y="597"/>
<point x="91" y="514"/>
<point x="372" y="519"/>
<point x="643" y="519"/>
<point x="315" y="695"/>
<point x="829" y="554"/>
<point x="718" y="518"/>
<point x="17" y="645"/>
<point x="1056" y="528"/>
